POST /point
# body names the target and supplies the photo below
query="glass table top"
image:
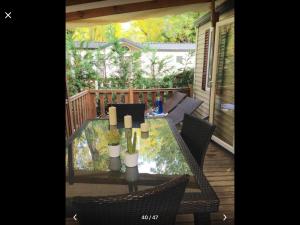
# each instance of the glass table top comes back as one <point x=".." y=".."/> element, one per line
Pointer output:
<point x="159" y="152"/>
<point x="161" y="158"/>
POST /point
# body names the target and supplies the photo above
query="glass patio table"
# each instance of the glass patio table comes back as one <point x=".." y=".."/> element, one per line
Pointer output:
<point x="162" y="156"/>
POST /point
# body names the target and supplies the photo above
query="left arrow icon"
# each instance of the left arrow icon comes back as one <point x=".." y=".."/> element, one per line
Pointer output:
<point x="74" y="217"/>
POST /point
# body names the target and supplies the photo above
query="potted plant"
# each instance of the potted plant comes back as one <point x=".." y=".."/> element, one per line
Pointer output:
<point x="114" y="163"/>
<point x="114" y="146"/>
<point x="131" y="174"/>
<point x="131" y="155"/>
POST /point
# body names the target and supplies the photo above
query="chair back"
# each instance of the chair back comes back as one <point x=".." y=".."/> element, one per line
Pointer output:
<point x="161" y="203"/>
<point x="188" y="106"/>
<point x="197" y="133"/>
<point x="172" y="101"/>
<point x="137" y="111"/>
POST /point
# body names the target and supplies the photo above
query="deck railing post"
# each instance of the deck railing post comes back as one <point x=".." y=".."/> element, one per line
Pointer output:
<point x="92" y="105"/>
<point x="70" y="109"/>
<point x="131" y="99"/>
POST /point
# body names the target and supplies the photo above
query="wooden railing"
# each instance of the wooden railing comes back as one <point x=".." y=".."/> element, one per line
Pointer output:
<point x="81" y="107"/>
<point x="90" y="104"/>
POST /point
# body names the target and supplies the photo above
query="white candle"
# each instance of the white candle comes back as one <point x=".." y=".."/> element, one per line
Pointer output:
<point x="112" y="111"/>
<point x="128" y="121"/>
<point x="144" y="127"/>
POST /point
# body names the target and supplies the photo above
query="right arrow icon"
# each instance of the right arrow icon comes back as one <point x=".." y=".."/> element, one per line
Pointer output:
<point x="225" y="217"/>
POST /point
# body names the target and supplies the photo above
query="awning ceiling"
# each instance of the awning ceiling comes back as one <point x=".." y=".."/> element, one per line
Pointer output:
<point x="81" y="13"/>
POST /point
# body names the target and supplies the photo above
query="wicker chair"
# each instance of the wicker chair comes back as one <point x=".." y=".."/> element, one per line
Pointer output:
<point x="172" y="101"/>
<point x="197" y="133"/>
<point x="157" y="205"/>
<point x="187" y="106"/>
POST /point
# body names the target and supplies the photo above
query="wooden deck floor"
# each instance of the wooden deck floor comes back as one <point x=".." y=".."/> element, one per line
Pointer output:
<point x="219" y="169"/>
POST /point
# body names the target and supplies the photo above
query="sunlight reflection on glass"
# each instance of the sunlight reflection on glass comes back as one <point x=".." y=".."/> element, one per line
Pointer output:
<point x="159" y="153"/>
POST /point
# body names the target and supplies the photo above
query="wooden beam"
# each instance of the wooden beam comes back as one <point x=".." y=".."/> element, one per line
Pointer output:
<point x="127" y="8"/>
<point x="78" y="2"/>
<point x="211" y="60"/>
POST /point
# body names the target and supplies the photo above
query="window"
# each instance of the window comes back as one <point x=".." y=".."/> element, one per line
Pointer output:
<point x="179" y="59"/>
<point x="206" y="73"/>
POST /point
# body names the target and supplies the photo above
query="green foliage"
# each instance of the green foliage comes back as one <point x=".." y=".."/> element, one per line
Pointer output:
<point x="180" y="28"/>
<point x="113" y="137"/>
<point x="184" y="79"/>
<point x="84" y="68"/>
<point x="158" y="67"/>
<point x="176" y="28"/>
<point x="131" y="144"/>
<point x="79" y="67"/>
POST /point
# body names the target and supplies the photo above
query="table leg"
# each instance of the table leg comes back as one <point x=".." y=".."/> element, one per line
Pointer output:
<point x="201" y="218"/>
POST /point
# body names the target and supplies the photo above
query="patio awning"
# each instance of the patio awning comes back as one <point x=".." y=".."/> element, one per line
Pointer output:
<point x="91" y="12"/>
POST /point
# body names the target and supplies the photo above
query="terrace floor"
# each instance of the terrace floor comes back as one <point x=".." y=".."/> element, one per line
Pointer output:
<point x="219" y="170"/>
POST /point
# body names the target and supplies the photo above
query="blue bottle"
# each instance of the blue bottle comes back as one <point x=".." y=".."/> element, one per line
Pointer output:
<point x="159" y="106"/>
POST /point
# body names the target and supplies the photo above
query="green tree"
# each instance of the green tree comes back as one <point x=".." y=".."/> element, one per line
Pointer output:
<point x="175" y="28"/>
<point x="158" y="67"/>
<point x="79" y="67"/>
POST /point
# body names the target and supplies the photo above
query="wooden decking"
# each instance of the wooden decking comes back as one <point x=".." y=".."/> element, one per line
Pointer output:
<point x="219" y="169"/>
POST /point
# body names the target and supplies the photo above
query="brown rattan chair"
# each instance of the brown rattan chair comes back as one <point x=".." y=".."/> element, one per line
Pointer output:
<point x="188" y="106"/>
<point x="172" y="101"/>
<point x="157" y="205"/>
<point x="197" y="133"/>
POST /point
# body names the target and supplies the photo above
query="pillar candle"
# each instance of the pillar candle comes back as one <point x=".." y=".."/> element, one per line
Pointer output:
<point x="112" y="111"/>
<point x="144" y="127"/>
<point x="128" y="121"/>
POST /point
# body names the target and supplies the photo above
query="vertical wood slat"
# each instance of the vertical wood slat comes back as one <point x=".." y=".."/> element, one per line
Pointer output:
<point x="136" y="97"/>
<point x="109" y="98"/>
<point x="153" y="93"/>
<point x="84" y="107"/>
<point x="72" y="112"/>
<point x="88" y="112"/>
<point x="84" y="104"/>
<point x="71" y="117"/>
<point x="67" y="124"/>
<point x="102" y="106"/>
<point x="93" y="106"/>
<point x="79" y="112"/>
<point x="75" y="114"/>
<point x="87" y="106"/>
<point x="131" y="98"/>
<point x="126" y="98"/>
<point x="145" y="96"/>
<point x="162" y="96"/>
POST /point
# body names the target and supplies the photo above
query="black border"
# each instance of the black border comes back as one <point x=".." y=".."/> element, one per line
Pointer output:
<point x="32" y="112"/>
